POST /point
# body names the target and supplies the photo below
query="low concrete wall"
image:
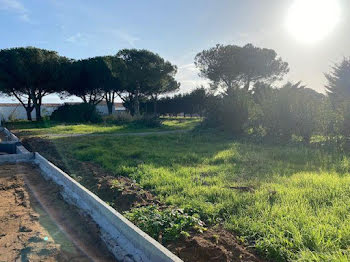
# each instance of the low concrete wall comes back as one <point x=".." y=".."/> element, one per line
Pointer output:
<point x="124" y="239"/>
<point x="9" y="147"/>
<point x="12" y="145"/>
<point x="16" y="158"/>
<point x="10" y="136"/>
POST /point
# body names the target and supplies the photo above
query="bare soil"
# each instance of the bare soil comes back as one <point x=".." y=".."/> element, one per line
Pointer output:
<point x="37" y="225"/>
<point x="121" y="192"/>
<point x="214" y="245"/>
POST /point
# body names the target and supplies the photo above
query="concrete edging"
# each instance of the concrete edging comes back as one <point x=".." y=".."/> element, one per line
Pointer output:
<point x="126" y="241"/>
<point x="11" y="136"/>
<point x="16" y="158"/>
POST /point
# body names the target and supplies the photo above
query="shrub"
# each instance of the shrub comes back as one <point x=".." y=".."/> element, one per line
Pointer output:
<point x="118" y="119"/>
<point x="150" y="121"/>
<point x="165" y="225"/>
<point x="78" y="113"/>
<point x="290" y="110"/>
<point x="229" y="113"/>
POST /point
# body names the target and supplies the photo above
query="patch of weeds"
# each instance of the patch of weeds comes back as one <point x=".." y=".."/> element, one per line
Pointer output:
<point x="165" y="225"/>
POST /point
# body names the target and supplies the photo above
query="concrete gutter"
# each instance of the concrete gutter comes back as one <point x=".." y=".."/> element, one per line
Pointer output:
<point x="125" y="241"/>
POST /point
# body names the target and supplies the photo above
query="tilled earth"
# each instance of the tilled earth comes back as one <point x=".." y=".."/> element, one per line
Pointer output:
<point x="37" y="225"/>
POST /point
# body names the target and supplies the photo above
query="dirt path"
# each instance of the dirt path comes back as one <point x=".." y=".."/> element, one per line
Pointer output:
<point x="37" y="225"/>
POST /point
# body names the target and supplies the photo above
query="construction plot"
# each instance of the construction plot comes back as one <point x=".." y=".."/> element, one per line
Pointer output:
<point x="37" y="225"/>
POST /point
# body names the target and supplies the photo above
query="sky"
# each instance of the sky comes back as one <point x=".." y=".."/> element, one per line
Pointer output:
<point x="177" y="30"/>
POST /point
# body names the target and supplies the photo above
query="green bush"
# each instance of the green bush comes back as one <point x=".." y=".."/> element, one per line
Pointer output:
<point x="78" y="113"/>
<point x="230" y="112"/>
<point x="290" y="110"/>
<point x="165" y="225"/>
<point x="150" y="121"/>
<point x="118" y="119"/>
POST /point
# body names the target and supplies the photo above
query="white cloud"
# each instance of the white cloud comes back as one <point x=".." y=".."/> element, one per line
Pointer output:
<point x="187" y="75"/>
<point x="17" y="8"/>
<point x="130" y="39"/>
<point x="78" y="38"/>
<point x="123" y="35"/>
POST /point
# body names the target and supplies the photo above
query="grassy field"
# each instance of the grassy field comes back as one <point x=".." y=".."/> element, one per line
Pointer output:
<point x="50" y="127"/>
<point x="291" y="203"/>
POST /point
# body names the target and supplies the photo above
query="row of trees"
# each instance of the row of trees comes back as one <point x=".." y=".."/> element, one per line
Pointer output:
<point x="243" y="95"/>
<point x="29" y="74"/>
<point x="228" y="67"/>
<point x="193" y="104"/>
<point x="245" y="98"/>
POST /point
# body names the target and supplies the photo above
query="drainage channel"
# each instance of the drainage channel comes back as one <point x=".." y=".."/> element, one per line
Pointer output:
<point x="45" y="215"/>
<point x="37" y="225"/>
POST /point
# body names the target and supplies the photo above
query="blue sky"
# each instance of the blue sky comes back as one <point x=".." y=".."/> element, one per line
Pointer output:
<point x="177" y="30"/>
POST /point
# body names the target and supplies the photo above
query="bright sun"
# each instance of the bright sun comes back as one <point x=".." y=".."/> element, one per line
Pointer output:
<point x="312" y="20"/>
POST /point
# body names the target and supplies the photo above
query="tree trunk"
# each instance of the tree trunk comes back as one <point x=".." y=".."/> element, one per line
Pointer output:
<point x="29" y="113"/>
<point x="109" y="97"/>
<point x="110" y="107"/>
<point x="38" y="112"/>
<point x="136" y="104"/>
<point x="155" y="106"/>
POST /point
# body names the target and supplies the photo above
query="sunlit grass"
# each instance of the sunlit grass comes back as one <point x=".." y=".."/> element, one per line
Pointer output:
<point x="300" y="206"/>
<point x="49" y="127"/>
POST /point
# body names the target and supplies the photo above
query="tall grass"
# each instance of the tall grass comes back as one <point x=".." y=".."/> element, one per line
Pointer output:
<point x="300" y="207"/>
<point x="52" y="127"/>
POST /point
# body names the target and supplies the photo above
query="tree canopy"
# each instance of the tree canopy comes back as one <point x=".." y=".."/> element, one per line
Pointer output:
<point x="338" y="86"/>
<point x="233" y="66"/>
<point x="90" y="79"/>
<point x="146" y="74"/>
<point x="29" y="74"/>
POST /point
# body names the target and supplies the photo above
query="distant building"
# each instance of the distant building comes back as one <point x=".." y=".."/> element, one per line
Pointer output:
<point x="13" y="111"/>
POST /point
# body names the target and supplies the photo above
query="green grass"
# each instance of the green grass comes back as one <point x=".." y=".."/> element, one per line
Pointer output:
<point x="50" y="127"/>
<point x="300" y="207"/>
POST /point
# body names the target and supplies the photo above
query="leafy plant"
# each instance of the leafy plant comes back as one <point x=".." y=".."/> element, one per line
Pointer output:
<point x="165" y="225"/>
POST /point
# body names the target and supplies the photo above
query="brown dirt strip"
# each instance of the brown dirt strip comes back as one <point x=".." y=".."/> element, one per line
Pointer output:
<point x="37" y="225"/>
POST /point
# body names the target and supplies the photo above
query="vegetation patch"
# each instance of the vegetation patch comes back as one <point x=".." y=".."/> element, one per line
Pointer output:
<point x="166" y="225"/>
<point x="296" y="207"/>
<point x="26" y="128"/>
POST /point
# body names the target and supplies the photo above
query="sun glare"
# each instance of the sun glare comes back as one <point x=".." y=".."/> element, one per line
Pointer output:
<point x="310" y="21"/>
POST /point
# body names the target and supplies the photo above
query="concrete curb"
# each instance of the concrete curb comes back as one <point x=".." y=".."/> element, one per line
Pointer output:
<point x="126" y="241"/>
<point x="16" y="158"/>
<point x="10" y="136"/>
<point x="12" y="146"/>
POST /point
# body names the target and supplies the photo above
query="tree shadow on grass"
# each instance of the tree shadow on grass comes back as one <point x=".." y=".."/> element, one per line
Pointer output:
<point x="238" y="159"/>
